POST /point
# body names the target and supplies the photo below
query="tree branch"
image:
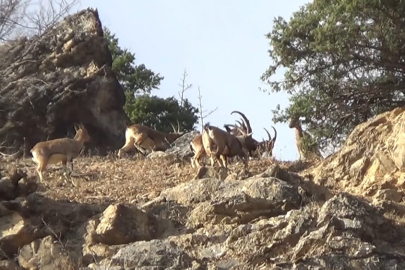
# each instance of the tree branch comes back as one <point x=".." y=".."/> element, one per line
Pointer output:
<point x="184" y="87"/>
<point x="200" y="109"/>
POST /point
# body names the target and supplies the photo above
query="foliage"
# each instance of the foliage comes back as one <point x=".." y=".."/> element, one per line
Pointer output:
<point x="133" y="78"/>
<point x="138" y="82"/>
<point x="344" y="63"/>
<point x="159" y="112"/>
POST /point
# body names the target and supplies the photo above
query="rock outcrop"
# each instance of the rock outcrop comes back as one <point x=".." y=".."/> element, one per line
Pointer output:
<point x="274" y="220"/>
<point x="62" y="77"/>
<point x="372" y="160"/>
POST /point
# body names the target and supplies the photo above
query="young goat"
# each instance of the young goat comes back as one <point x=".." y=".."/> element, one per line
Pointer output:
<point x="307" y="148"/>
<point x="59" y="150"/>
<point x="143" y="137"/>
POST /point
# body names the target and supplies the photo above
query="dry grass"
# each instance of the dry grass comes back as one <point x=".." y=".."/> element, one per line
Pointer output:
<point x="128" y="180"/>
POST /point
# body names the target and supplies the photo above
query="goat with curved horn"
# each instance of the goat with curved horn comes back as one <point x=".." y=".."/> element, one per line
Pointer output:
<point x="245" y="120"/>
<point x="268" y="145"/>
<point x="246" y="130"/>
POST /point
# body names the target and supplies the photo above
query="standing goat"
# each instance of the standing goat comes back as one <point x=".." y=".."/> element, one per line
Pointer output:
<point x="200" y="151"/>
<point x="59" y="150"/>
<point x="197" y="147"/>
<point x="225" y="145"/>
<point x="307" y="148"/>
<point x="143" y="137"/>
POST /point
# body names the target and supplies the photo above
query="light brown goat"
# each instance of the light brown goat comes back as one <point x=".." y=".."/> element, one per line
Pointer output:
<point x="225" y="145"/>
<point x="307" y="148"/>
<point x="197" y="147"/>
<point x="199" y="151"/>
<point x="143" y="137"/>
<point x="59" y="150"/>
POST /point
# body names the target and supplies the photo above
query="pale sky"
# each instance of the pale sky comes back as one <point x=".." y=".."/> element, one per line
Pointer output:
<point x="222" y="45"/>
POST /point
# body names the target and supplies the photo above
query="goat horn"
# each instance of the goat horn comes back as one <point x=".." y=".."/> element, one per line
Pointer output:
<point x="178" y="126"/>
<point x="174" y="129"/>
<point x="239" y="122"/>
<point x="230" y="125"/>
<point x="241" y="126"/>
<point x="275" y="135"/>
<point x="247" y="123"/>
<point x="268" y="134"/>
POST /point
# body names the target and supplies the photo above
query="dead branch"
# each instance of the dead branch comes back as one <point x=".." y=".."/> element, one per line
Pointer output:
<point x="28" y="17"/>
<point x="184" y="87"/>
<point x="200" y="109"/>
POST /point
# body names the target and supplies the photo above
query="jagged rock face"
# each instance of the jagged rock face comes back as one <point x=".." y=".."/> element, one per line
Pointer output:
<point x="63" y="77"/>
<point x="372" y="160"/>
<point x="269" y="221"/>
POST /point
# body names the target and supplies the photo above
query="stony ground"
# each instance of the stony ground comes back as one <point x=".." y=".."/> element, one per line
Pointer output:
<point x="127" y="180"/>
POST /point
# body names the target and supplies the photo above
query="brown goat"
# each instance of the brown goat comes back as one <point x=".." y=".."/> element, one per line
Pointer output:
<point x="245" y="130"/>
<point x="143" y="137"/>
<point x="197" y="147"/>
<point x="307" y="148"/>
<point x="256" y="149"/>
<point x="199" y="151"/>
<point x="59" y="150"/>
<point x="225" y="145"/>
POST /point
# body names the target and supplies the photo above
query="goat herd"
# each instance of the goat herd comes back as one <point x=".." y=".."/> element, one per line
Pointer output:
<point x="218" y="144"/>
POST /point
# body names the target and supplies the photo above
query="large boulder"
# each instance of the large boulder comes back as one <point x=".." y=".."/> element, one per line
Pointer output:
<point x="372" y="160"/>
<point x="62" y="77"/>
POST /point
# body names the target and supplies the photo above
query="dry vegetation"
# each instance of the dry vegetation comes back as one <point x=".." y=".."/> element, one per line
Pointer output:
<point x="127" y="180"/>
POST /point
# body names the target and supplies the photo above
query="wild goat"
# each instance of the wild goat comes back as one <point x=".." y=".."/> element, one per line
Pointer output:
<point x="245" y="129"/>
<point x="59" y="150"/>
<point x="256" y="149"/>
<point x="197" y="147"/>
<point x="307" y="148"/>
<point x="267" y="145"/>
<point x="225" y="145"/>
<point x="199" y="150"/>
<point x="236" y="129"/>
<point x="143" y="137"/>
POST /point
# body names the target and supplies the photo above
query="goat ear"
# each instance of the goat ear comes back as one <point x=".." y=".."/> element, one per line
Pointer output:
<point x="76" y="127"/>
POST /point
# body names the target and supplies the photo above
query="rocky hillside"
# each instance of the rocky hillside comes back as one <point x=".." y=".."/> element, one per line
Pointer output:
<point x="62" y="77"/>
<point x="154" y="213"/>
<point x="372" y="161"/>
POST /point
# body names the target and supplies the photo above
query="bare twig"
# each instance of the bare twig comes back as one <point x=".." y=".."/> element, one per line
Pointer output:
<point x="58" y="237"/>
<point x="200" y="109"/>
<point x="28" y="17"/>
<point x="184" y="87"/>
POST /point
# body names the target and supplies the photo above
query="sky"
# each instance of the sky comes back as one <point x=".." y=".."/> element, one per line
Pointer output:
<point x="221" y="44"/>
